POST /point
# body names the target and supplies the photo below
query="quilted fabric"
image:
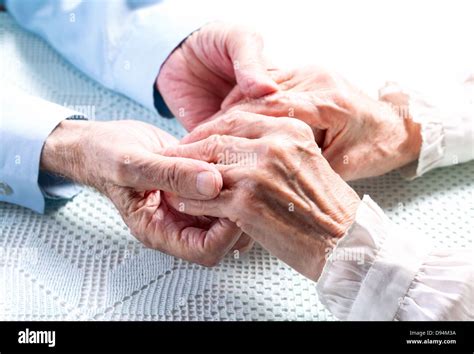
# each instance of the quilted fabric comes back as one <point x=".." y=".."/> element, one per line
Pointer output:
<point x="78" y="261"/>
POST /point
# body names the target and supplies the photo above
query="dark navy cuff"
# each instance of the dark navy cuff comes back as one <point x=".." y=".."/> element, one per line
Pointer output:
<point x="160" y="104"/>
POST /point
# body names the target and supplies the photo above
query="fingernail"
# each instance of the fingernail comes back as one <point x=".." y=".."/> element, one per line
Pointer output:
<point x="206" y="184"/>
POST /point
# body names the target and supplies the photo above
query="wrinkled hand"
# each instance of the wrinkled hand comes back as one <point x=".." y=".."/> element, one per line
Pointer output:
<point x="278" y="188"/>
<point x="359" y="136"/>
<point x="122" y="160"/>
<point x="199" y="74"/>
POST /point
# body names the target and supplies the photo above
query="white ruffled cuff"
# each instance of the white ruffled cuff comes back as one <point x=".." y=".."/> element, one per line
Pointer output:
<point x="447" y="130"/>
<point x="379" y="271"/>
<point x="442" y="290"/>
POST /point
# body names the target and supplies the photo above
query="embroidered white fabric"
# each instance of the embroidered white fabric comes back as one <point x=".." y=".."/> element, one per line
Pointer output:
<point x="79" y="262"/>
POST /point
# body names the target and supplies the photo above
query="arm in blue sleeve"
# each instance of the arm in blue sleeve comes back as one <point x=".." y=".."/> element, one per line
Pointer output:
<point x="121" y="44"/>
<point x="25" y="124"/>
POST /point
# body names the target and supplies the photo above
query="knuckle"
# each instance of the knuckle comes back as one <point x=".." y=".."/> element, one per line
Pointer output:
<point x="296" y="127"/>
<point x="301" y="127"/>
<point x="213" y="139"/>
<point x="340" y="98"/>
<point x="169" y="175"/>
<point x="274" y="150"/>
<point x="323" y="76"/>
<point x="236" y="115"/>
<point x="210" y="145"/>
<point x="294" y="124"/>
<point x="277" y="155"/>
<point x="231" y="119"/>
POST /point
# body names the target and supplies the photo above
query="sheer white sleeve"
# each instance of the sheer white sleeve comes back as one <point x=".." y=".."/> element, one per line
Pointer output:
<point x="379" y="271"/>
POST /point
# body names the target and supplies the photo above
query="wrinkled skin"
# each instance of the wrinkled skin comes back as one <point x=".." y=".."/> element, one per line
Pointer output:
<point x="359" y="136"/>
<point x="193" y="81"/>
<point x="199" y="74"/>
<point x="282" y="193"/>
<point x="121" y="159"/>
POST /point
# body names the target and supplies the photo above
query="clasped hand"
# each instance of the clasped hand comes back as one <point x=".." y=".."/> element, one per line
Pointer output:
<point x="265" y="161"/>
<point x="283" y="177"/>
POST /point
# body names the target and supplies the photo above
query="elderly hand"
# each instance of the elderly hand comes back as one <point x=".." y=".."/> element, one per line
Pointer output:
<point x="199" y="74"/>
<point x="278" y="188"/>
<point x="121" y="159"/>
<point x="359" y="136"/>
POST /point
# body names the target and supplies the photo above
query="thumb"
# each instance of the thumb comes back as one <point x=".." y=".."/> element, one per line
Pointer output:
<point x="246" y="53"/>
<point x="181" y="176"/>
<point x="233" y="97"/>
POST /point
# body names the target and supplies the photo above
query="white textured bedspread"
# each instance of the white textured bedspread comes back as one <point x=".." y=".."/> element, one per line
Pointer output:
<point x="78" y="261"/>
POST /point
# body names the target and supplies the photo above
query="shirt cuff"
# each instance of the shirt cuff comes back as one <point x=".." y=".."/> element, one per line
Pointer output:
<point x="447" y="137"/>
<point x="379" y="271"/>
<point x="160" y="104"/>
<point x="26" y="123"/>
<point x="160" y="29"/>
<point x="447" y="129"/>
<point x="371" y="268"/>
<point x="57" y="187"/>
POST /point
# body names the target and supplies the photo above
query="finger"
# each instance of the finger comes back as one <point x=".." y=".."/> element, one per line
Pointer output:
<point x="233" y="97"/>
<point x="235" y="123"/>
<point x="260" y="108"/>
<point x="216" y="207"/>
<point x="178" y="175"/>
<point x="246" y="51"/>
<point x="281" y="104"/>
<point x="301" y="106"/>
<point x="243" y="244"/>
<point x="236" y="96"/>
<point x="209" y="246"/>
<point x="214" y="148"/>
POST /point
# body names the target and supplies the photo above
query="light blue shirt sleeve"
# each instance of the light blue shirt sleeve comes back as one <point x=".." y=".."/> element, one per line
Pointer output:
<point x="25" y="123"/>
<point x="121" y="44"/>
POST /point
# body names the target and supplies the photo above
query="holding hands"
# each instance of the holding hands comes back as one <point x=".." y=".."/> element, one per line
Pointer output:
<point x="359" y="136"/>
<point x="283" y="179"/>
<point x="267" y="155"/>
<point x="122" y="160"/>
<point x="278" y="188"/>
